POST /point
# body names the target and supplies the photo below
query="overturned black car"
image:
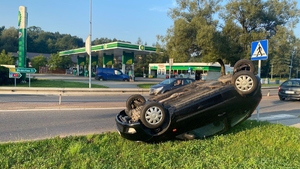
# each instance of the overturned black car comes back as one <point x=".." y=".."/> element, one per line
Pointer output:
<point x="200" y="109"/>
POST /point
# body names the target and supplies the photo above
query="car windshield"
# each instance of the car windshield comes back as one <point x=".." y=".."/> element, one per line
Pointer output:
<point x="291" y="83"/>
<point x="167" y="81"/>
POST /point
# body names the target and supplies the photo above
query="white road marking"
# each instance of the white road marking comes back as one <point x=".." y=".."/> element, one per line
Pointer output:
<point x="277" y="117"/>
<point x="65" y="109"/>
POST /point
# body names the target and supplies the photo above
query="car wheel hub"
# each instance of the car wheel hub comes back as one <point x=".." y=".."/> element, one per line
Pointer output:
<point x="244" y="83"/>
<point x="153" y="115"/>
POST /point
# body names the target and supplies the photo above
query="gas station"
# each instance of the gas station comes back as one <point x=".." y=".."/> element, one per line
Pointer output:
<point x="114" y="52"/>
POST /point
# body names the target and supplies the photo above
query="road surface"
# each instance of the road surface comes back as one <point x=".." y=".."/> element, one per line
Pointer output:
<point x="29" y="118"/>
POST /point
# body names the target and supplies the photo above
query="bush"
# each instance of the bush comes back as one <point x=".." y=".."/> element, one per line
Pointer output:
<point x="4" y="77"/>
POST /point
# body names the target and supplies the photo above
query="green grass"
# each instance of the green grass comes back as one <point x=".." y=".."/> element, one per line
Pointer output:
<point x="146" y="86"/>
<point x="249" y="145"/>
<point x="57" y="83"/>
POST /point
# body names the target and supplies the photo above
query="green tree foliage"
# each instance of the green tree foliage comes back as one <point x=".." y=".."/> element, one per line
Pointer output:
<point x="9" y="40"/>
<point x="59" y="62"/>
<point x="99" y="41"/>
<point x="38" y="61"/>
<point x="197" y="36"/>
<point x="6" y="59"/>
<point x="194" y="30"/>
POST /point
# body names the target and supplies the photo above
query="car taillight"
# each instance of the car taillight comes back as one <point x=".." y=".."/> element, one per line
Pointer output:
<point x="279" y="89"/>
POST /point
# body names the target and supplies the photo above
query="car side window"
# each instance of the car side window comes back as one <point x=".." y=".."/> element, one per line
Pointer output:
<point x="187" y="81"/>
<point x="177" y="82"/>
<point x="117" y="72"/>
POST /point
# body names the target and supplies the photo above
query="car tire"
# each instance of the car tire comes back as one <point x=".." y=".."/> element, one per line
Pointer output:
<point x="100" y="78"/>
<point x="153" y="115"/>
<point x="244" y="82"/>
<point x="281" y="98"/>
<point x="134" y="101"/>
<point x="244" y="64"/>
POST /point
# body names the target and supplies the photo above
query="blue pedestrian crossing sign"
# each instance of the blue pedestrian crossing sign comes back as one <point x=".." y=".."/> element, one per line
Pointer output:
<point x="189" y="70"/>
<point x="259" y="50"/>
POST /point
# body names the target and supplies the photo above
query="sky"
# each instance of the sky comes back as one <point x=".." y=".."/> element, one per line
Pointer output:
<point x="121" y="19"/>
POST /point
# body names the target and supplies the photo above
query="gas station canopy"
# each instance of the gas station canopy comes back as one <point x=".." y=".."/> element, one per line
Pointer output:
<point x="115" y="48"/>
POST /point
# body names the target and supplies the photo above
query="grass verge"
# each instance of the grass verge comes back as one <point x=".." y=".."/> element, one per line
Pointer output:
<point x="249" y="145"/>
<point x="58" y="84"/>
<point x="146" y="86"/>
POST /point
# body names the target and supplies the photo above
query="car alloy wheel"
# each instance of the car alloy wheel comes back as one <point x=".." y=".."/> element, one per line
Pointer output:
<point x="244" y="83"/>
<point x="153" y="115"/>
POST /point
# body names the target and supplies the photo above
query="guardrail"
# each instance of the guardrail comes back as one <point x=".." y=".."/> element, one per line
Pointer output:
<point x="71" y="91"/>
<point x="82" y="91"/>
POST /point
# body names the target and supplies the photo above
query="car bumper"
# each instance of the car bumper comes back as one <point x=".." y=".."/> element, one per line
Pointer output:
<point x="289" y="96"/>
<point x="134" y="131"/>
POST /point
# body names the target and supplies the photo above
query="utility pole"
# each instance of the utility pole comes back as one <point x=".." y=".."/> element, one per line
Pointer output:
<point x="272" y="72"/>
<point x="291" y="63"/>
<point x="90" y="48"/>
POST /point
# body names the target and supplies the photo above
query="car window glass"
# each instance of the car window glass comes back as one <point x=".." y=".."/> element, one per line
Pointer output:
<point x="117" y="72"/>
<point x="296" y="84"/>
<point x="167" y="81"/>
<point x="177" y="82"/>
<point x="291" y="83"/>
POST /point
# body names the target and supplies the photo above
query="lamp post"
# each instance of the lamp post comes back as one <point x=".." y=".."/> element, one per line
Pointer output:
<point x="292" y="62"/>
<point x="90" y="48"/>
<point x="272" y="72"/>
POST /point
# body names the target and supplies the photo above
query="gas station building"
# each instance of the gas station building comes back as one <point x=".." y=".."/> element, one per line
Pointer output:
<point x="115" y="52"/>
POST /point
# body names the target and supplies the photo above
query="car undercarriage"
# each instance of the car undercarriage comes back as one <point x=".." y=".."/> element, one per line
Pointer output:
<point x="211" y="106"/>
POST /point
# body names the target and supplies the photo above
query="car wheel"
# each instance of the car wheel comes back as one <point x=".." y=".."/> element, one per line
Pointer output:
<point x="281" y="98"/>
<point x="100" y="78"/>
<point x="244" y="82"/>
<point x="134" y="101"/>
<point x="244" y="64"/>
<point x="153" y="115"/>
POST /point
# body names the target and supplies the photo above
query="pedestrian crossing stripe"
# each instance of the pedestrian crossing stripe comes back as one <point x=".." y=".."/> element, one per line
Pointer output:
<point x="259" y="50"/>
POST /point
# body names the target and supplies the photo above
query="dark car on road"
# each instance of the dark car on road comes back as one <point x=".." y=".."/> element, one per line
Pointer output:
<point x="289" y="90"/>
<point x="197" y="110"/>
<point x="169" y="84"/>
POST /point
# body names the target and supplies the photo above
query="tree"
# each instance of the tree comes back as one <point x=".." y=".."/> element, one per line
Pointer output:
<point x="194" y="30"/>
<point x="9" y="40"/>
<point x="6" y="59"/>
<point x="252" y="20"/>
<point x="59" y="62"/>
<point x="38" y="61"/>
<point x="139" y="41"/>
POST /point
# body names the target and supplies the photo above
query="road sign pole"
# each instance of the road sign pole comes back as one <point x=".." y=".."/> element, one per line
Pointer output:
<point x="15" y="82"/>
<point x="29" y="79"/>
<point x="259" y="68"/>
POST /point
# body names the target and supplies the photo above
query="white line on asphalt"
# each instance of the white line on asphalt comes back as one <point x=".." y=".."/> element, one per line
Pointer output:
<point x="277" y="117"/>
<point x="67" y="109"/>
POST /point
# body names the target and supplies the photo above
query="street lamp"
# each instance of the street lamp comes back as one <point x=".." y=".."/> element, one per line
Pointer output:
<point x="292" y="61"/>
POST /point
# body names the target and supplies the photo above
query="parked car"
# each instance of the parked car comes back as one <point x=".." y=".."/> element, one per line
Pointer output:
<point x="202" y="107"/>
<point x="110" y="74"/>
<point x="289" y="90"/>
<point x="169" y="84"/>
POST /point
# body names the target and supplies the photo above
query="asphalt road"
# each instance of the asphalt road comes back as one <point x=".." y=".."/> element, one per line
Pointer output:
<point x="50" y="121"/>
